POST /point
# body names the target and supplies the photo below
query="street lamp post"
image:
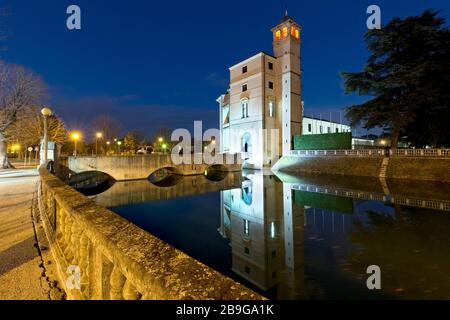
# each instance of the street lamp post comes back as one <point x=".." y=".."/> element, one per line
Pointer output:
<point x="161" y="140"/>
<point x="46" y="112"/>
<point x="75" y="137"/>
<point x="119" y="143"/>
<point x="98" y="135"/>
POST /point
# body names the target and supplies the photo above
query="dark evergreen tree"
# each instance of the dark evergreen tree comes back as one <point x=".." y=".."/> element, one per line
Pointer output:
<point x="408" y="76"/>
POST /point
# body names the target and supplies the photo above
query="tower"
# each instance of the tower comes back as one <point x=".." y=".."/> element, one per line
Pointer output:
<point x="286" y="48"/>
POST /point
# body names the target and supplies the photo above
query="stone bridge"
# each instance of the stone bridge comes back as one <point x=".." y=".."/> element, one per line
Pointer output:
<point x="127" y="192"/>
<point x="123" y="168"/>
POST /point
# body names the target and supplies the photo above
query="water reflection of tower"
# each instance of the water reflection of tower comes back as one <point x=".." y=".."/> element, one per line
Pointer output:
<point x="266" y="234"/>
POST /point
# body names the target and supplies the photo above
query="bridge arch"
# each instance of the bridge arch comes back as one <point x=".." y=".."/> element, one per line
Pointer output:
<point x="90" y="182"/>
<point x="216" y="172"/>
<point x="165" y="177"/>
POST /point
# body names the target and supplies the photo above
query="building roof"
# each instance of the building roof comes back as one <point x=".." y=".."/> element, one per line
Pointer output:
<point x="286" y="18"/>
<point x="252" y="57"/>
<point x="324" y="120"/>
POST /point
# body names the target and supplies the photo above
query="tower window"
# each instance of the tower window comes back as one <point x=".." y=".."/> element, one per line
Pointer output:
<point x="285" y="32"/>
<point x="293" y="31"/>
<point x="270" y="66"/>
<point x="244" y="106"/>
<point x="271" y="109"/>
<point x="270" y="85"/>
<point x="244" y="88"/>
<point x="244" y="69"/>
<point x="277" y="35"/>
<point x="297" y="33"/>
<point x="246" y="227"/>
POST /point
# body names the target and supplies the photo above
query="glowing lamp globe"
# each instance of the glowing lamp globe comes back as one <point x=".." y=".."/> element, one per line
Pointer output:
<point x="46" y="112"/>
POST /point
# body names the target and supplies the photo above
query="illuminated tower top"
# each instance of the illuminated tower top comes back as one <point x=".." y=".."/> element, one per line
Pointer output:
<point x="286" y="35"/>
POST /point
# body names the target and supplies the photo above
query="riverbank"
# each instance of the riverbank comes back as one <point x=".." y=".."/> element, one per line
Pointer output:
<point x="405" y="168"/>
<point x="20" y="271"/>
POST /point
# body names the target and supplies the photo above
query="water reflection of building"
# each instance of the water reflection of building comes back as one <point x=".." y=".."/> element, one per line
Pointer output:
<point x="266" y="233"/>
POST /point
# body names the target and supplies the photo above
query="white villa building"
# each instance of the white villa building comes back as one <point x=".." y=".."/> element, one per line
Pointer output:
<point x="262" y="109"/>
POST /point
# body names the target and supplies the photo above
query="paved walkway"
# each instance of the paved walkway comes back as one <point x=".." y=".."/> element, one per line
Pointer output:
<point x="20" y="274"/>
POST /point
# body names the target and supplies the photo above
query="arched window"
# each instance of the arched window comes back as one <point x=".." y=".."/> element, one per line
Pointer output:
<point x="247" y="192"/>
<point x="293" y="31"/>
<point x="277" y="35"/>
<point x="244" y="107"/>
<point x="285" y="32"/>
<point x="297" y="33"/>
<point x="247" y="143"/>
<point x="271" y="109"/>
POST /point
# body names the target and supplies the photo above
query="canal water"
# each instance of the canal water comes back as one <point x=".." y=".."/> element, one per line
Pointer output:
<point x="302" y="237"/>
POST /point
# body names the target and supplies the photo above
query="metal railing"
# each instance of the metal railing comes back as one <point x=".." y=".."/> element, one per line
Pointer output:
<point x="429" y="153"/>
<point x="433" y="153"/>
<point x="339" y="153"/>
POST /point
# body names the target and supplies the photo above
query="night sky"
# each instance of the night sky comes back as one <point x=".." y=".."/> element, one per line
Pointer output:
<point x="159" y="64"/>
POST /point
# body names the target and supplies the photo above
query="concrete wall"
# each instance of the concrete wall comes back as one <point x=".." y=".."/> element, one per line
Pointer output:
<point x="411" y="168"/>
<point x="431" y="169"/>
<point x="352" y="166"/>
<point x="118" y="260"/>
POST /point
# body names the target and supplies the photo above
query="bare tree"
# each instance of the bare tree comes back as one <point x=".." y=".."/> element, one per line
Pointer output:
<point x="107" y="125"/>
<point x="29" y="128"/>
<point x="19" y="89"/>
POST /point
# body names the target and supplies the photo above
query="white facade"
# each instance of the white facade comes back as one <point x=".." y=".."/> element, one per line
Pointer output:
<point x="266" y="235"/>
<point x="319" y="126"/>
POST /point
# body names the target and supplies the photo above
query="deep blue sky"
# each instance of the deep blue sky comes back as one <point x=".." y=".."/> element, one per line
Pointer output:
<point x="163" y="63"/>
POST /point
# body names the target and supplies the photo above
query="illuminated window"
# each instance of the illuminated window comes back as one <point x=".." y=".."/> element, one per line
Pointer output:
<point x="273" y="232"/>
<point x="246" y="227"/>
<point x="277" y="35"/>
<point x="293" y="31"/>
<point x="271" y="109"/>
<point x="297" y="33"/>
<point x="285" y="32"/>
<point x="244" y="106"/>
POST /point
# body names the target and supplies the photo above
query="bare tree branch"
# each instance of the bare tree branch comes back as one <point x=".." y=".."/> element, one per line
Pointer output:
<point x="19" y="89"/>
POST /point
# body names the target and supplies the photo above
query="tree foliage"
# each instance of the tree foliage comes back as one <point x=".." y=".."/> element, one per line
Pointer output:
<point x="408" y="76"/>
<point x="29" y="128"/>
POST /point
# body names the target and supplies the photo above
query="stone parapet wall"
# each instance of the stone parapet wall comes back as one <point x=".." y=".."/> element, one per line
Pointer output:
<point x="350" y="166"/>
<point x="411" y="168"/>
<point x="116" y="259"/>
<point x="430" y="169"/>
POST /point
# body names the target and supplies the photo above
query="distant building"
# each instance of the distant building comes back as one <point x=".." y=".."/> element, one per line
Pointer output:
<point x="319" y="126"/>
